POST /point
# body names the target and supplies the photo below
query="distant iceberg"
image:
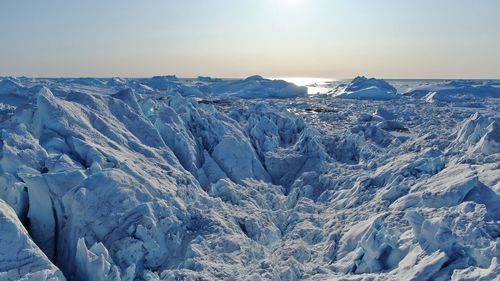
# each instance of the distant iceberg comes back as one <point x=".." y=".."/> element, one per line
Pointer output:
<point x="252" y="87"/>
<point x="259" y="87"/>
<point x="455" y="90"/>
<point x="366" y="88"/>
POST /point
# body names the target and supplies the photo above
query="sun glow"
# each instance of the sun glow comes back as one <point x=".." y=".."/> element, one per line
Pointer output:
<point x="290" y="2"/>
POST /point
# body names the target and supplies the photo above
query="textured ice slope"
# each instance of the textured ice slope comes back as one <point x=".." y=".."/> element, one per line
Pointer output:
<point x="145" y="184"/>
<point x="20" y="258"/>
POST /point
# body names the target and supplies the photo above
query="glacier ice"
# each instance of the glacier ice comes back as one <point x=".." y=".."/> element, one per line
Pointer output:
<point x="20" y="258"/>
<point x="167" y="178"/>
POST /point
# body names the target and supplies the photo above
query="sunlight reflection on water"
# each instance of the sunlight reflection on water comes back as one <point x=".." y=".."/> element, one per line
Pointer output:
<point x="314" y="85"/>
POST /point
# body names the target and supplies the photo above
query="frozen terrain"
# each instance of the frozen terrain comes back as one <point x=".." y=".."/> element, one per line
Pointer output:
<point x="252" y="179"/>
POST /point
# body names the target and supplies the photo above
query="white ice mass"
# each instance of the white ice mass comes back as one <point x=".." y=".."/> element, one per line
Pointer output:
<point x="366" y="88"/>
<point x="213" y="179"/>
<point x="452" y="91"/>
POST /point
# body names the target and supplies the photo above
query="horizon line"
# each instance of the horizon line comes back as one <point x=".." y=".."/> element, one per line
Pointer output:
<point x="244" y="77"/>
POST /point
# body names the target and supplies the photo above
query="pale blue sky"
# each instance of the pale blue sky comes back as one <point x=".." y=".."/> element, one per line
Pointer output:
<point x="236" y="38"/>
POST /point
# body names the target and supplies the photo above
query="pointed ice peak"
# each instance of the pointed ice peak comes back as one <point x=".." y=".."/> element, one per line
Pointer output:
<point x="45" y="92"/>
<point x="127" y="95"/>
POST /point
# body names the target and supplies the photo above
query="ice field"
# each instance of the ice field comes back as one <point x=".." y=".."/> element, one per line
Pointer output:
<point x="167" y="178"/>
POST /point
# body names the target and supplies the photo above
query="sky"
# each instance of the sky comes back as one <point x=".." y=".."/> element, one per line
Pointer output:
<point x="238" y="38"/>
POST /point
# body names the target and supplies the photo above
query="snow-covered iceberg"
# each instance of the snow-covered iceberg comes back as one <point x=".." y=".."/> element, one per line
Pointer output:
<point x="366" y="88"/>
<point x="258" y="87"/>
<point x="455" y="90"/>
<point x="253" y="87"/>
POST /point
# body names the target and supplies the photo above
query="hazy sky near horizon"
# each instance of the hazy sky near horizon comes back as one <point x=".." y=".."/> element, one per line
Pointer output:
<point x="237" y="38"/>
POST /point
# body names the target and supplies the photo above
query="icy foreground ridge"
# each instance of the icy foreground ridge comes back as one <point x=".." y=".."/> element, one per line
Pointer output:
<point x="116" y="179"/>
<point x="366" y="88"/>
<point x="20" y="258"/>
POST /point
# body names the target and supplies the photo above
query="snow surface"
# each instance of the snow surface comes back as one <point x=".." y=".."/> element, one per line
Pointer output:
<point x="181" y="179"/>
